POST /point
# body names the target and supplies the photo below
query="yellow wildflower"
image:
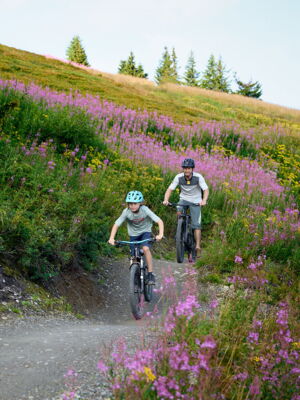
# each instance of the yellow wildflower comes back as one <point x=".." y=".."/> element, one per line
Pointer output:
<point x="255" y="359"/>
<point x="149" y="374"/>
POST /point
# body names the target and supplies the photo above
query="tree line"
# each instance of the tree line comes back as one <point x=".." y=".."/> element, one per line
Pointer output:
<point x="214" y="77"/>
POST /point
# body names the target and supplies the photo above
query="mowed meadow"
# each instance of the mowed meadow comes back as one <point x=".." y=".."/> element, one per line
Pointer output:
<point x="73" y="141"/>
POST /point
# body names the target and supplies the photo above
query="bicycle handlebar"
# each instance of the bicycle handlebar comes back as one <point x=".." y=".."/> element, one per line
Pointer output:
<point x="126" y="242"/>
<point x="182" y="205"/>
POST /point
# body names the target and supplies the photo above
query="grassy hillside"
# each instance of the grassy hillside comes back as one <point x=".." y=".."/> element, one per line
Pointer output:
<point x="181" y="103"/>
<point x="230" y="154"/>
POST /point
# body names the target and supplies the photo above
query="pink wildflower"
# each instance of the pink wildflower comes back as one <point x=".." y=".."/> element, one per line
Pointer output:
<point x="208" y="343"/>
<point x="255" y="386"/>
<point x="238" y="260"/>
<point x="102" y="366"/>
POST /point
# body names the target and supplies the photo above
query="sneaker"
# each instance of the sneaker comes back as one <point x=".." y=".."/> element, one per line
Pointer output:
<point x="151" y="278"/>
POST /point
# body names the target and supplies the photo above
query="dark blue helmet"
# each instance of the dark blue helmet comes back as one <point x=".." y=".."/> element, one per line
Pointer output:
<point x="188" y="163"/>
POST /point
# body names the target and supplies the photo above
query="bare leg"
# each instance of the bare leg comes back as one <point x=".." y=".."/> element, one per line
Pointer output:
<point x="197" y="235"/>
<point x="148" y="256"/>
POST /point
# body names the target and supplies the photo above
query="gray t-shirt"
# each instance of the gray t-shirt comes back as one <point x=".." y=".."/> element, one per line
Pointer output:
<point x="138" y="223"/>
<point x="190" y="190"/>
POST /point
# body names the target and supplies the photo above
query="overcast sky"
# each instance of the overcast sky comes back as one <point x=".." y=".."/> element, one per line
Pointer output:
<point x="257" y="39"/>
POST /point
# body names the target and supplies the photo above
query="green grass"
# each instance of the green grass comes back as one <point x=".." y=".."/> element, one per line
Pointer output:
<point x="181" y="103"/>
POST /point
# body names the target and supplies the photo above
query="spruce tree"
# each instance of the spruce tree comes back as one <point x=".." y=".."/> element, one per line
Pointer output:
<point x="76" y="52"/>
<point x="191" y="76"/>
<point x="209" y="75"/>
<point x="164" y="71"/>
<point x="128" y="67"/>
<point x="249" y="89"/>
<point x="222" y="83"/>
<point x="140" y="72"/>
<point x="174" y="68"/>
<point x="122" y="67"/>
<point x="215" y="77"/>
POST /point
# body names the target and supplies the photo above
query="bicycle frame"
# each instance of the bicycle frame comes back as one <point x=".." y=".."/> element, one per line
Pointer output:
<point x="188" y="232"/>
<point x="138" y="288"/>
<point x="138" y="252"/>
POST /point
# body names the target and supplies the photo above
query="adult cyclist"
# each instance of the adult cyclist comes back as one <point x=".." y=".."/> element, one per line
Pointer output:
<point x="191" y="186"/>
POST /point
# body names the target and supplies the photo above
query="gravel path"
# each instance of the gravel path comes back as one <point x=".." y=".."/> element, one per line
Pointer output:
<point x="36" y="352"/>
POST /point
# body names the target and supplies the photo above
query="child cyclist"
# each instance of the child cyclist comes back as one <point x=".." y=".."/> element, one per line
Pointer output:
<point x="139" y="225"/>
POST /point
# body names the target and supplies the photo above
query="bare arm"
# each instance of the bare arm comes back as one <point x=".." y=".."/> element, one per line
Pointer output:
<point x="205" y="197"/>
<point x="113" y="232"/>
<point x="161" y="230"/>
<point x="167" y="196"/>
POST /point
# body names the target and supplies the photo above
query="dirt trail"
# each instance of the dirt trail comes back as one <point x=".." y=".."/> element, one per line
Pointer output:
<point x="36" y="352"/>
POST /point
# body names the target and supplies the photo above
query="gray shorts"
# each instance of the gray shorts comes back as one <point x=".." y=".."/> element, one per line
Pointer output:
<point x="195" y="212"/>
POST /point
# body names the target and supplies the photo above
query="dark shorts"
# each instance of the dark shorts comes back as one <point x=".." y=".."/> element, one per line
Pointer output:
<point x="142" y="236"/>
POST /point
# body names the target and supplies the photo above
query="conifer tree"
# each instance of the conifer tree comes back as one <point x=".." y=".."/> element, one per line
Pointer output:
<point x="215" y="77"/>
<point x="249" y="89"/>
<point x="209" y="75"/>
<point x="140" y="72"/>
<point x="174" y="68"/>
<point x="191" y="76"/>
<point x="128" y="67"/>
<point x="222" y="83"/>
<point x="76" y="52"/>
<point x="164" y="70"/>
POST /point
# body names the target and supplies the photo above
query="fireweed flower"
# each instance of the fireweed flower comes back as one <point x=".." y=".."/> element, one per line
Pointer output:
<point x="257" y="324"/>
<point x="187" y="307"/>
<point x="51" y="164"/>
<point x="252" y="266"/>
<point x="282" y="317"/>
<point x="255" y="386"/>
<point x="214" y="304"/>
<point x="70" y="372"/>
<point x="238" y="260"/>
<point x="253" y="337"/>
<point x="102" y="366"/>
<point x="242" y="376"/>
<point x="208" y="343"/>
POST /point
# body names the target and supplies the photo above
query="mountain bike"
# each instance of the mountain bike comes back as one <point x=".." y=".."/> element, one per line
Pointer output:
<point x="138" y="286"/>
<point x="185" y="240"/>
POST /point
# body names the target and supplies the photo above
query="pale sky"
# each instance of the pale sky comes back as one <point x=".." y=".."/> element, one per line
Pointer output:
<point x="257" y="39"/>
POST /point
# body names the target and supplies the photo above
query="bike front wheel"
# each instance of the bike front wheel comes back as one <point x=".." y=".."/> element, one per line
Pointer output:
<point x="136" y="297"/>
<point x="180" y="241"/>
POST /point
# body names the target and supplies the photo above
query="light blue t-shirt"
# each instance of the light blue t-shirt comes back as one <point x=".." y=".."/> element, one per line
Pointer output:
<point x="138" y="223"/>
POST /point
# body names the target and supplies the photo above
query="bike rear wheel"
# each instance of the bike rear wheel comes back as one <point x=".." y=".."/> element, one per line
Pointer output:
<point x="136" y="297"/>
<point x="180" y="240"/>
<point x="148" y="288"/>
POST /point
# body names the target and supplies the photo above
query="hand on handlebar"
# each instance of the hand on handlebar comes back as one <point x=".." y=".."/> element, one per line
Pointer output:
<point x="166" y="202"/>
<point x="112" y="241"/>
<point x="158" y="237"/>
